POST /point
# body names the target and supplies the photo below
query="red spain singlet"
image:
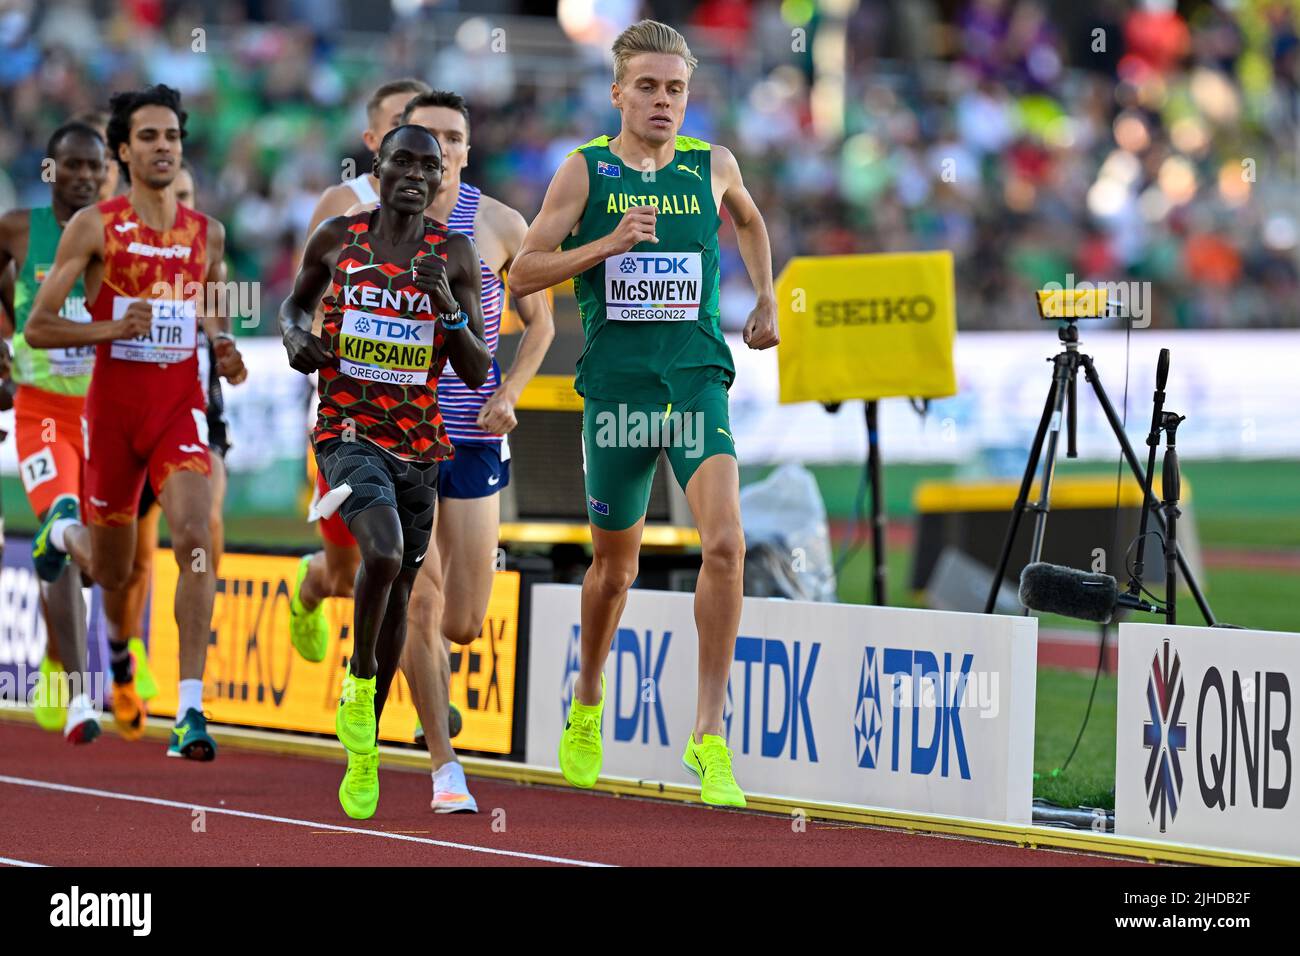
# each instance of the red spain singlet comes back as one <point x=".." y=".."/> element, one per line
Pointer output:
<point x="145" y="410"/>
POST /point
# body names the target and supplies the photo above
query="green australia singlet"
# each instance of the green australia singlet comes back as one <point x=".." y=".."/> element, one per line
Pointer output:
<point x="650" y="315"/>
<point x="65" y="371"/>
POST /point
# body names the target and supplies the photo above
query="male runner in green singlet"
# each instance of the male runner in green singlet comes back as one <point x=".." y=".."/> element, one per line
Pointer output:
<point x="636" y="217"/>
<point x="48" y="406"/>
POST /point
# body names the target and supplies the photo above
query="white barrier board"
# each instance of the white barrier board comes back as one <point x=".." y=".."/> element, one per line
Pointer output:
<point x="917" y="710"/>
<point x="1207" y="737"/>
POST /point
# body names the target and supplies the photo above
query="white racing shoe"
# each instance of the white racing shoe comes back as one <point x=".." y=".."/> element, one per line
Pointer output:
<point x="82" y="725"/>
<point x="450" y="793"/>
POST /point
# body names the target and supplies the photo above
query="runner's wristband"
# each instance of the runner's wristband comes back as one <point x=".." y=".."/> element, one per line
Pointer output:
<point x="453" y="326"/>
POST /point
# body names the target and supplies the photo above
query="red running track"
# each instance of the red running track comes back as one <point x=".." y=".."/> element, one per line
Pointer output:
<point x="268" y="810"/>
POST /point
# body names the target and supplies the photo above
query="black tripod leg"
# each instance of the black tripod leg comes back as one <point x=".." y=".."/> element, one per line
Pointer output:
<point x="1135" y="466"/>
<point x="1018" y="509"/>
<point x="1063" y="383"/>
<point x="877" y="505"/>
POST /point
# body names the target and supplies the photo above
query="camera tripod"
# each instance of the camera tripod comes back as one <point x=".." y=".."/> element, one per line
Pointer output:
<point x="1061" y="407"/>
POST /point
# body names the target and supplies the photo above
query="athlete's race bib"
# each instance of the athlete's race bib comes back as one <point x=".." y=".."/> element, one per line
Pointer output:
<point x="653" y="287"/>
<point x="383" y="348"/>
<point x="171" y="338"/>
<point x="74" y="360"/>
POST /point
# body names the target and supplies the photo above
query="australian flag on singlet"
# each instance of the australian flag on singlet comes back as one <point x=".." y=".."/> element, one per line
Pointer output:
<point x="608" y="169"/>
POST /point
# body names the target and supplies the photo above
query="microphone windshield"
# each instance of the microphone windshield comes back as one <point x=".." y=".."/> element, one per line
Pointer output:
<point x="1061" y="590"/>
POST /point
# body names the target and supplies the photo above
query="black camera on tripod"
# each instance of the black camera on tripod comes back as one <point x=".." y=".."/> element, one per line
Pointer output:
<point x="1066" y="306"/>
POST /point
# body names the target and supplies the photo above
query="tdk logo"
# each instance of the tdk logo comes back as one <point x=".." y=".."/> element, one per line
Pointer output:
<point x="639" y="663"/>
<point x="655" y="265"/>
<point x="868" y="721"/>
<point x="397" y="331"/>
<point x="787" y="676"/>
<point x="906" y="684"/>
<point x="634" y="689"/>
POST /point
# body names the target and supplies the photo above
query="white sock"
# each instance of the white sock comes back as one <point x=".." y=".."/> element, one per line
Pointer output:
<point x="191" y="698"/>
<point x="56" y="532"/>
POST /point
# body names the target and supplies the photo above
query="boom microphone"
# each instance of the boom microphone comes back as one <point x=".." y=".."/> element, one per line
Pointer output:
<point x="1082" y="594"/>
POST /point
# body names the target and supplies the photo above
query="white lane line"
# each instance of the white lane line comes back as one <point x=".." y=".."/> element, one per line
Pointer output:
<point x="247" y="815"/>
<point x="5" y="861"/>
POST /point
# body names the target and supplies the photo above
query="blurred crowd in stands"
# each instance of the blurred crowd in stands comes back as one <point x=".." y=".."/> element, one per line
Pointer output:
<point x="1107" y="140"/>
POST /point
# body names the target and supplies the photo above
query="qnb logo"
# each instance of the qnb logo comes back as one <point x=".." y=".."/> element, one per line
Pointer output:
<point x="639" y="664"/>
<point x="77" y="909"/>
<point x="882" y="311"/>
<point x="1164" y="735"/>
<point x="1255" y="715"/>
<point x="787" y="670"/>
<point x="923" y="694"/>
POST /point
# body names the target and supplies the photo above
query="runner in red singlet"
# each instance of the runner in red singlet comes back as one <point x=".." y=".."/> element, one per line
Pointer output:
<point x="146" y="261"/>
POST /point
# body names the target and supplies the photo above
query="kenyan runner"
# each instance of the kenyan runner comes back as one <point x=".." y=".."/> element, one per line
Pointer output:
<point x="401" y="295"/>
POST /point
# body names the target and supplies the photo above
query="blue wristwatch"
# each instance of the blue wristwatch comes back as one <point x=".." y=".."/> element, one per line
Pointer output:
<point x="453" y="326"/>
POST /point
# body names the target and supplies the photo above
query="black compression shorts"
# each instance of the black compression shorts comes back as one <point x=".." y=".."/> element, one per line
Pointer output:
<point x="379" y="479"/>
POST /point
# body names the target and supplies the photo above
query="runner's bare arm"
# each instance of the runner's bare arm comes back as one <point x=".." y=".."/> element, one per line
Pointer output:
<point x="7" y="321"/>
<point x="7" y="386"/>
<point x="230" y="363"/>
<point x="82" y="242"/>
<point x="335" y="201"/>
<point x="7" y="318"/>
<point x="498" y="414"/>
<point x="216" y="321"/>
<point x="456" y="285"/>
<point x="306" y="352"/>
<point x="13" y="237"/>
<point x="751" y="234"/>
<point x="538" y="265"/>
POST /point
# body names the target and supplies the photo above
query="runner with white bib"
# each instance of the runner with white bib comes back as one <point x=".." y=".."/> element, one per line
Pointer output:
<point x="636" y="218"/>
<point x="401" y="298"/>
<point x="146" y="261"/>
<point x="51" y="395"/>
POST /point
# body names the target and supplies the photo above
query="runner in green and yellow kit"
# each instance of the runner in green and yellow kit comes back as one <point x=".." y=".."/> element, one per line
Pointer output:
<point x="636" y="219"/>
<point x="52" y="386"/>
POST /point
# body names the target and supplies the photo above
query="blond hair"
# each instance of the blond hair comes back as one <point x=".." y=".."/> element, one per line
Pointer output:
<point x="650" y="36"/>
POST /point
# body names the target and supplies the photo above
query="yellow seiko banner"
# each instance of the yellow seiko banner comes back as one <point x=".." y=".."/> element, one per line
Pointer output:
<point x="255" y="678"/>
<point x="870" y="326"/>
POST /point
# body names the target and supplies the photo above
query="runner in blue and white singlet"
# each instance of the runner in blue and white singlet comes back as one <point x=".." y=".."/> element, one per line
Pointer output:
<point x="460" y="404"/>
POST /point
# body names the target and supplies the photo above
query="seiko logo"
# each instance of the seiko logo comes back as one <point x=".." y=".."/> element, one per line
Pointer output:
<point x="916" y="308"/>
<point x="163" y="252"/>
<point x="372" y="298"/>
